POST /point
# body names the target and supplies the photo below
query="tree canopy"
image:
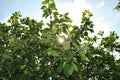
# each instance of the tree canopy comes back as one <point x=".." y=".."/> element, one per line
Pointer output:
<point x="56" y="50"/>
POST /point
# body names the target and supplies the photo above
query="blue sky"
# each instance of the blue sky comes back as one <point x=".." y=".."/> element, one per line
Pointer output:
<point x="29" y="8"/>
<point x="105" y="18"/>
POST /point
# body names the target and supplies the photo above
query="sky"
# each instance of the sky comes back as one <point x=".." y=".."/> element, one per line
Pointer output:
<point x="105" y="18"/>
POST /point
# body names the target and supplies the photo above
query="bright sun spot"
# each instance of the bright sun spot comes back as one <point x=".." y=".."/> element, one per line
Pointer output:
<point x="61" y="39"/>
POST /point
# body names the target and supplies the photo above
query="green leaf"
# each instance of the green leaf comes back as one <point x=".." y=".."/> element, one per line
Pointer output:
<point x="37" y="68"/>
<point x="68" y="20"/>
<point x="54" y="29"/>
<point x="76" y="45"/>
<point x="7" y="56"/>
<point x="52" y="5"/>
<point x="86" y="33"/>
<point x="68" y="69"/>
<point x="52" y="52"/>
<point x="43" y="7"/>
<point x="69" y="56"/>
<point x="49" y="51"/>
<point x="75" y="67"/>
<point x="83" y="56"/>
<point x="55" y="53"/>
<point x="44" y="2"/>
<point x="101" y="33"/>
<point x="66" y="45"/>
<point x="60" y="68"/>
<point x="13" y="67"/>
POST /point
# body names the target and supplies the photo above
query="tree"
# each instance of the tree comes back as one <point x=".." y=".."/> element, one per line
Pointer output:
<point x="57" y="50"/>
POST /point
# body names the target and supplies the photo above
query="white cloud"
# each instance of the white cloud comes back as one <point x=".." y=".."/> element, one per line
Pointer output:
<point x="101" y="26"/>
<point x="101" y="4"/>
<point x="75" y="9"/>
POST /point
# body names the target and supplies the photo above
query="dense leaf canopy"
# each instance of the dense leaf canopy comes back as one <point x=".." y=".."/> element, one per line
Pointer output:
<point x="56" y="50"/>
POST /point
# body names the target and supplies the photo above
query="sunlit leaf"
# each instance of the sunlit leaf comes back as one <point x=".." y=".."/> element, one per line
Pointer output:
<point x="66" y="45"/>
<point x="75" y="67"/>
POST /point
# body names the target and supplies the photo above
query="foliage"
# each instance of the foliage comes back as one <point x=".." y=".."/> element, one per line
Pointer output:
<point x="118" y="6"/>
<point x="31" y="50"/>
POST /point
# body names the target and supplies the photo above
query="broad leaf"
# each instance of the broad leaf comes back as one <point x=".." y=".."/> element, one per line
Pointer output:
<point x="68" y="69"/>
<point x="66" y="45"/>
